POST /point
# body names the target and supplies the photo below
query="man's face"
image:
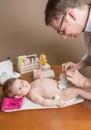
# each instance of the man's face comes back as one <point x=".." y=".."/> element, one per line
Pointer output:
<point x="67" y="25"/>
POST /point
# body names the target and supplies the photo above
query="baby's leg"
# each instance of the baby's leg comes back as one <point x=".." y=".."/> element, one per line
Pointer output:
<point x="68" y="93"/>
<point x="65" y="95"/>
<point x="73" y="92"/>
<point x="84" y="93"/>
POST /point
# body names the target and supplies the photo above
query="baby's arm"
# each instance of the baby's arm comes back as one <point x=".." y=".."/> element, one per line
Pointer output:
<point x="42" y="101"/>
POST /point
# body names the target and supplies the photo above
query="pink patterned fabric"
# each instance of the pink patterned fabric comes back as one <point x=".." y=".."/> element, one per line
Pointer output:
<point x="11" y="103"/>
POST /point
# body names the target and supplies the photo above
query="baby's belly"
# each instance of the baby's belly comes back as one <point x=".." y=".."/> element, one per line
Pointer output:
<point x="46" y="88"/>
<point x="50" y="92"/>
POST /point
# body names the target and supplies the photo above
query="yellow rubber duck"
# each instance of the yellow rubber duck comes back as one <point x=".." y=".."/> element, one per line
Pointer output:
<point x="42" y="60"/>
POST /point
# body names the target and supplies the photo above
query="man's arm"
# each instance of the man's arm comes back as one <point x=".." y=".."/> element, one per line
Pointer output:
<point x="86" y="61"/>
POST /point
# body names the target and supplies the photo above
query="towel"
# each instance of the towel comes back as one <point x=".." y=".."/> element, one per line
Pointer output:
<point x="11" y="103"/>
<point x="18" y="104"/>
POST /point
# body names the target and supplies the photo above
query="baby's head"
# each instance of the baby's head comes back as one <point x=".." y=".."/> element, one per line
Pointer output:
<point x="8" y="87"/>
<point x="15" y="88"/>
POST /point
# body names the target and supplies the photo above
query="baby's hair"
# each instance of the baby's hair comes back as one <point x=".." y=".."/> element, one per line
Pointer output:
<point x="7" y="89"/>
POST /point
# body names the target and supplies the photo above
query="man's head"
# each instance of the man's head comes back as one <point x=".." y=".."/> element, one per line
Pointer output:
<point x="64" y="16"/>
<point x="16" y="88"/>
<point x="55" y="8"/>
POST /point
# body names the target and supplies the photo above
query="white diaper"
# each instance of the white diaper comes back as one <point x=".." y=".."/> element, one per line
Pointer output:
<point x="67" y="102"/>
<point x="57" y="97"/>
<point x="63" y="83"/>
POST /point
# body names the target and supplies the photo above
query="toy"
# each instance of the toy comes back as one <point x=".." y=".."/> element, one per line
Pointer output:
<point x="27" y="63"/>
<point x="43" y="62"/>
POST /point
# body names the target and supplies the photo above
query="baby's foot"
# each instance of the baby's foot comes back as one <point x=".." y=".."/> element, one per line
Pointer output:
<point x="61" y="103"/>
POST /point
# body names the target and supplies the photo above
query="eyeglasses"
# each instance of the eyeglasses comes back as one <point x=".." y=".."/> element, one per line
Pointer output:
<point x="59" y="31"/>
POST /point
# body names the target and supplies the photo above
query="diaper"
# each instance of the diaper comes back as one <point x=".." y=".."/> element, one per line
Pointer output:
<point x="57" y="97"/>
<point x="62" y="84"/>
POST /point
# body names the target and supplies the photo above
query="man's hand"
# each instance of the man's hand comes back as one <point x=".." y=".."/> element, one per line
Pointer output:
<point x="70" y="66"/>
<point x="76" y="78"/>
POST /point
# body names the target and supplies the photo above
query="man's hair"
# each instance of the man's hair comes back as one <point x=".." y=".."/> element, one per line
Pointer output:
<point x="7" y="87"/>
<point x="54" y="8"/>
<point x="89" y="3"/>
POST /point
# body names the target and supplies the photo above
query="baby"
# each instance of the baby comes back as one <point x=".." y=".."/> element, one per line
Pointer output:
<point x="43" y="91"/>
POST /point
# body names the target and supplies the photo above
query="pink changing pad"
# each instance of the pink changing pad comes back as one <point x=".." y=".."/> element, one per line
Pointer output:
<point x="11" y="103"/>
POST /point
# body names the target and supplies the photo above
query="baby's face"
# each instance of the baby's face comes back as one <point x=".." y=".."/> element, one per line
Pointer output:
<point x="20" y="87"/>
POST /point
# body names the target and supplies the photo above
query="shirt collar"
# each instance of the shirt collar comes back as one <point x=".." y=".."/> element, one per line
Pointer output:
<point x="88" y="25"/>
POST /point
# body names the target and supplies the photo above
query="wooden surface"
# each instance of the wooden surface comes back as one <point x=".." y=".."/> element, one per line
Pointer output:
<point x="76" y="117"/>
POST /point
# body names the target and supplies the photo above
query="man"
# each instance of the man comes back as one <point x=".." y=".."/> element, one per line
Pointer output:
<point x="70" y="18"/>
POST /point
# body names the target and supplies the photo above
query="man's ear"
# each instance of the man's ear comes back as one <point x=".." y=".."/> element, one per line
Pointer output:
<point x="17" y="96"/>
<point x="71" y="15"/>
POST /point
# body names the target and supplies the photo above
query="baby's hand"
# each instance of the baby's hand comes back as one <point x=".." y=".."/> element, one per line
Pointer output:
<point x="61" y="103"/>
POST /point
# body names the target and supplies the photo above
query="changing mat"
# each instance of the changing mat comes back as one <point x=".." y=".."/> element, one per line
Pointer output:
<point x="18" y="104"/>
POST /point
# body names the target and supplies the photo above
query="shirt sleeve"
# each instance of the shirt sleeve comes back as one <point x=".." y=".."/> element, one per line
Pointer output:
<point x="87" y="58"/>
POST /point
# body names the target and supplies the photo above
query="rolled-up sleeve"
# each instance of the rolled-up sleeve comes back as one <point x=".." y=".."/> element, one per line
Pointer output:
<point x="87" y="38"/>
<point x="87" y="58"/>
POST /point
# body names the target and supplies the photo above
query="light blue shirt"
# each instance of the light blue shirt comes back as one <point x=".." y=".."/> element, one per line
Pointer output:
<point x="88" y="25"/>
<point x="87" y="38"/>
